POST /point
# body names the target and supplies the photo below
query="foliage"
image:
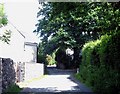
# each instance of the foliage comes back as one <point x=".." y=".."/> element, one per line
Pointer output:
<point x="71" y="25"/>
<point x="50" y="60"/>
<point x="6" y="36"/>
<point x="41" y="58"/>
<point x="13" y="89"/>
<point x="87" y="51"/>
<point x="41" y="55"/>
<point x="100" y="64"/>
<point x="75" y="23"/>
<point x="101" y="80"/>
<point x="112" y="51"/>
<point x="3" y="19"/>
<point x="63" y="59"/>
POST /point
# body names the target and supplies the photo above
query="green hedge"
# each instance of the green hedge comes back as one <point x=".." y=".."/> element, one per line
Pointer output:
<point x="101" y="63"/>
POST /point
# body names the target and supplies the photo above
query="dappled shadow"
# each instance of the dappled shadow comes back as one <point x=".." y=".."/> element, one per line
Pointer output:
<point x="48" y="89"/>
<point x="81" y="86"/>
<point x="57" y="82"/>
<point x="52" y="90"/>
<point x="52" y="70"/>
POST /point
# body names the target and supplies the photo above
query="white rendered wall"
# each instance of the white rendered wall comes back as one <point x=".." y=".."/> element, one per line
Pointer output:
<point x="15" y="48"/>
<point x="31" y="53"/>
<point x="33" y="70"/>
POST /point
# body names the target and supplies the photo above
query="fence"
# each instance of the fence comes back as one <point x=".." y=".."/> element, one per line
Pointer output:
<point x="14" y="72"/>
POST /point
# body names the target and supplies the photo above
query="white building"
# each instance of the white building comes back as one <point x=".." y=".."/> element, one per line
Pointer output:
<point x="18" y="48"/>
<point x="31" y="52"/>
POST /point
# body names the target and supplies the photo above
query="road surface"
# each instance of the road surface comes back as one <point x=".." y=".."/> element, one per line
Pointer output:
<point x="57" y="82"/>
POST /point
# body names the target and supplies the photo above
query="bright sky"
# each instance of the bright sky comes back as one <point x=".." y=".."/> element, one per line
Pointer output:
<point x="23" y="14"/>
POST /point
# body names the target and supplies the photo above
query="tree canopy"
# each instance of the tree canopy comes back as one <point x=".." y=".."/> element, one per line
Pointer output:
<point x="3" y="21"/>
<point x="72" y="24"/>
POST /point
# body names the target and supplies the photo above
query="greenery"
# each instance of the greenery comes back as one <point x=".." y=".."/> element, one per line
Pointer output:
<point x="90" y="26"/>
<point x="50" y="60"/>
<point x="3" y="18"/>
<point x="100" y="64"/>
<point x="41" y="55"/>
<point x="63" y="58"/>
<point x="13" y="89"/>
<point x="5" y="37"/>
<point x="73" y="24"/>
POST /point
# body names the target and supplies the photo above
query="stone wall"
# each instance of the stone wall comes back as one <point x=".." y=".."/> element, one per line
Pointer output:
<point x="10" y="73"/>
<point x="7" y="73"/>
<point x="20" y="71"/>
<point x="15" y="72"/>
<point x="0" y="75"/>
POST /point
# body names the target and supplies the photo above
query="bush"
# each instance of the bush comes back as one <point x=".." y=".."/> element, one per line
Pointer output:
<point x="100" y="64"/>
<point x="87" y="51"/>
<point x="41" y="58"/>
<point x="50" y="59"/>
<point x="13" y="89"/>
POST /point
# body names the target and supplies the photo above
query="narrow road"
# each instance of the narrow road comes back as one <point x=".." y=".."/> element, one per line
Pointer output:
<point x="57" y="81"/>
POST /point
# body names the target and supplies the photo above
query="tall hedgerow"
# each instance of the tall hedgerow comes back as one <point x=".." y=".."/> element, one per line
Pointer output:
<point x="101" y="63"/>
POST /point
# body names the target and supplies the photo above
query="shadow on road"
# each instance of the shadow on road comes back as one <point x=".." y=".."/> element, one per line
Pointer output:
<point x="58" y="81"/>
<point x="53" y="70"/>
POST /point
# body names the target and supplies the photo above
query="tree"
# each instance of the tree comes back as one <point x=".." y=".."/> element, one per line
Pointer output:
<point x="3" y="21"/>
<point x="72" y="24"/>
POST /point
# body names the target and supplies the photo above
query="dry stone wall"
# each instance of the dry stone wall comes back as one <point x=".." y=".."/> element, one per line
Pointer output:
<point x="10" y="73"/>
<point x="20" y="71"/>
<point x="14" y="72"/>
<point x="7" y="73"/>
<point x="0" y="75"/>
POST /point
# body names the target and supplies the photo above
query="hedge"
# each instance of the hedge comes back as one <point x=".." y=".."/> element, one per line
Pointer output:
<point x="101" y="63"/>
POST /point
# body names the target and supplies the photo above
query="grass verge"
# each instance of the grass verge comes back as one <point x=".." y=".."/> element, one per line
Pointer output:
<point x="13" y="89"/>
<point x="24" y="84"/>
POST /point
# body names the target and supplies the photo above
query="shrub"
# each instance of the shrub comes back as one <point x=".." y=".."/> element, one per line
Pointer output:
<point x="100" y="64"/>
<point x="50" y="59"/>
<point x="88" y="50"/>
<point x="13" y="89"/>
<point x="41" y="58"/>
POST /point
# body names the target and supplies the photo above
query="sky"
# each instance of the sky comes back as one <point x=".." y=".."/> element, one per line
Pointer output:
<point x="23" y="15"/>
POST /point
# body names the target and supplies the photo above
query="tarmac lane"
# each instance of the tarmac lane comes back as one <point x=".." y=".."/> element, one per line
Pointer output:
<point x="56" y="82"/>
